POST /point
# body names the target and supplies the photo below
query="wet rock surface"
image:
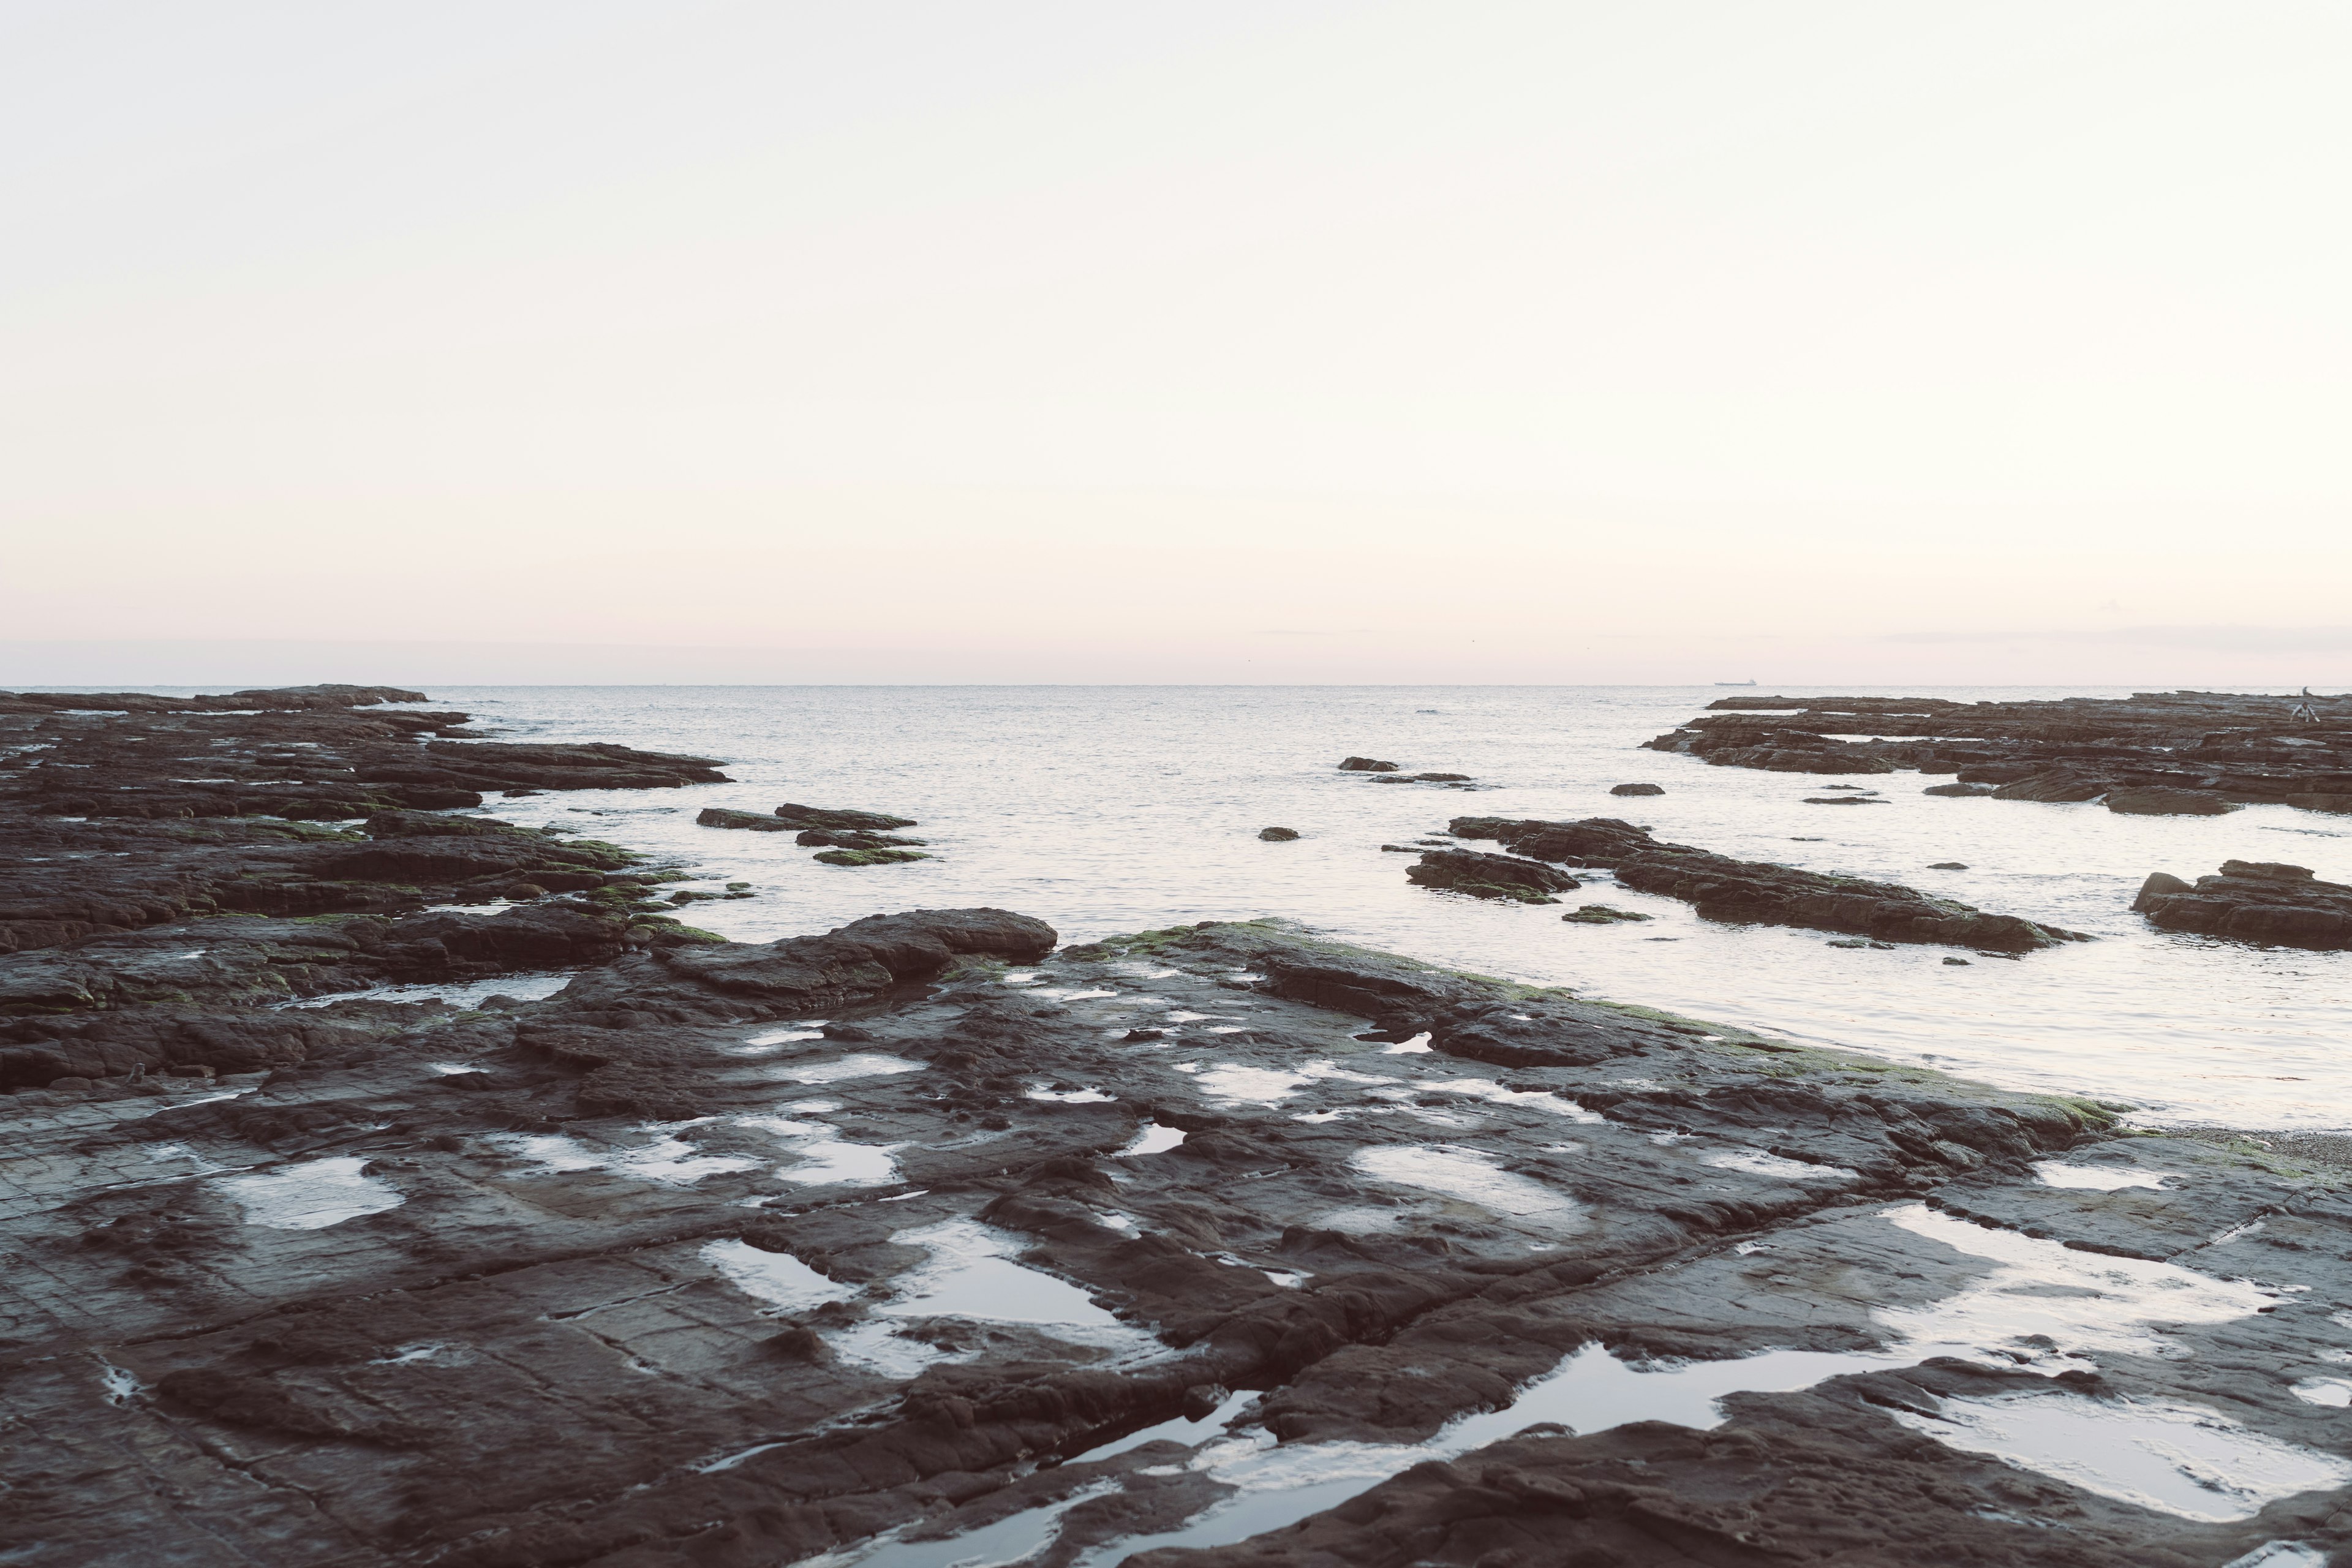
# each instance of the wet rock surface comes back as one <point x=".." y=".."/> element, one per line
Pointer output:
<point x="922" y="1241"/>
<point x="2237" y="748"/>
<point x="2252" y="900"/>
<point x="1754" y="891"/>
<point x="1484" y="876"/>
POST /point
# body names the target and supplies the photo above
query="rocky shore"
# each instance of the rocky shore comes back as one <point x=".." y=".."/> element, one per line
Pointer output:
<point x="2175" y="751"/>
<point x="930" y="1240"/>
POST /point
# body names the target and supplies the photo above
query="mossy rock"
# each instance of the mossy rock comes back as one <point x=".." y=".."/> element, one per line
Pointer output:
<point x="869" y="857"/>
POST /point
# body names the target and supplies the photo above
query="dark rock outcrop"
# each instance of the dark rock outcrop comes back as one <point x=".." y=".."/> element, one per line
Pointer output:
<point x="1637" y="789"/>
<point x="2160" y="802"/>
<point x="742" y="821"/>
<point x="805" y="817"/>
<point x="868" y="856"/>
<point x="1277" y="835"/>
<point x="853" y="838"/>
<point x="2262" y="902"/>
<point x="1367" y="766"/>
<point x="1484" y="876"/>
<point x="2244" y="749"/>
<point x="1724" y="889"/>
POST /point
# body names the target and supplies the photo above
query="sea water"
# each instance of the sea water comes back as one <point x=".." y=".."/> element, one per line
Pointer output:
<point x="1112" y="810"/>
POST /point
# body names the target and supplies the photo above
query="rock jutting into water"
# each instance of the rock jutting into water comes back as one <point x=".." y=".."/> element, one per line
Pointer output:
<point x="851" y="838"/>
<point x="1277" y="835"/>
<point x="1602" y="914"/>
<point x="2160" y="802"/>
<point x="1637" y="789"/>
<point x="817" y="817"/>
<point x="920" y="1242"/>
<point x="1759" y="892"/>
<point x="2252" y="900"/>
<point x="868" y="856"/>
<point x="1367" y="766"/>
<point x="2240" y="749"/>
<point x="742" y="821"/>
<point x="1484" y="876"/>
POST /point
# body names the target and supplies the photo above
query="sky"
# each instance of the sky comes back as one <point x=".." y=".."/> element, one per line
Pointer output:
<point x="1881" y="342"/>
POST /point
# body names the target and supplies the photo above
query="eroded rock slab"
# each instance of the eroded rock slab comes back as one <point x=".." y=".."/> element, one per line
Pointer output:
<point x="1728" y="890"/>
<point x="2252" y="900"/>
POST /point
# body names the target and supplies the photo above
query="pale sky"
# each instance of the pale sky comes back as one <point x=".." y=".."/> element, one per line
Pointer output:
<point x="1882" y="341"/>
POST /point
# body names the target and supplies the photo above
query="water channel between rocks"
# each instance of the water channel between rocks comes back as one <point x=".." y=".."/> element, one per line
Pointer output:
<point x="2041" y="1305"/>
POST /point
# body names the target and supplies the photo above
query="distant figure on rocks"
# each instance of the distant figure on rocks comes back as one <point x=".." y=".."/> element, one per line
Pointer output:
<point x="2305" y="712"/>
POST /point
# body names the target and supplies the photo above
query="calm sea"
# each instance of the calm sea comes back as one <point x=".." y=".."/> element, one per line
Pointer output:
<point x="1107" y="809"/>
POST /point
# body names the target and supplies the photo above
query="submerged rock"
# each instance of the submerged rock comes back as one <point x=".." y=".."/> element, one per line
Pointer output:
<point x="2259" y="900"/>
<point x="1960" y="791"/>
<point x="1602" y="914"/>
<point x="868" y="856"/>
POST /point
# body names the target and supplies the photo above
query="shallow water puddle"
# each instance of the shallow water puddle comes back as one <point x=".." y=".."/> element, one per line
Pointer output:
<point x="1487" y="1089"/>
<point x="670" y="1159"/>
<point x="969" y="1275"/>
<point x="1071" y="1096"/>
<point x="312" y="1195"/>
<point x="1236" y="1085"/>
<point x="776" y="1278"/>
<point x="2099" y="1178"/>
<point x="1154" y="1140"/>
<point x="825" y="1159"/>
<point x="772" y="1040"/>
<point x="2280" y="1554"/>
<point x="1470" y="1174"/>
<point x="1009" y="1540"/>
<point x="2335" y="1392"/>
<point x="865" y="1064"/>
<point x="2177" y="1457"/>
<point x="1590" y="1391"/>
<point x="1756" y="1162"/>
<point x="2082" y="1301"/>
<point x="1182" y="1429"/>
<point x="2180" y="1458"/>
<point x="831" y="1162"/>
<point x="521" y="987"/>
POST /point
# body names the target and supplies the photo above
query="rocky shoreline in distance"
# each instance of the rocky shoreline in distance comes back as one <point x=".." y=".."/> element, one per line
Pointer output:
<point x="930" y="1238"/>
<point x="2187" y="751"/>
